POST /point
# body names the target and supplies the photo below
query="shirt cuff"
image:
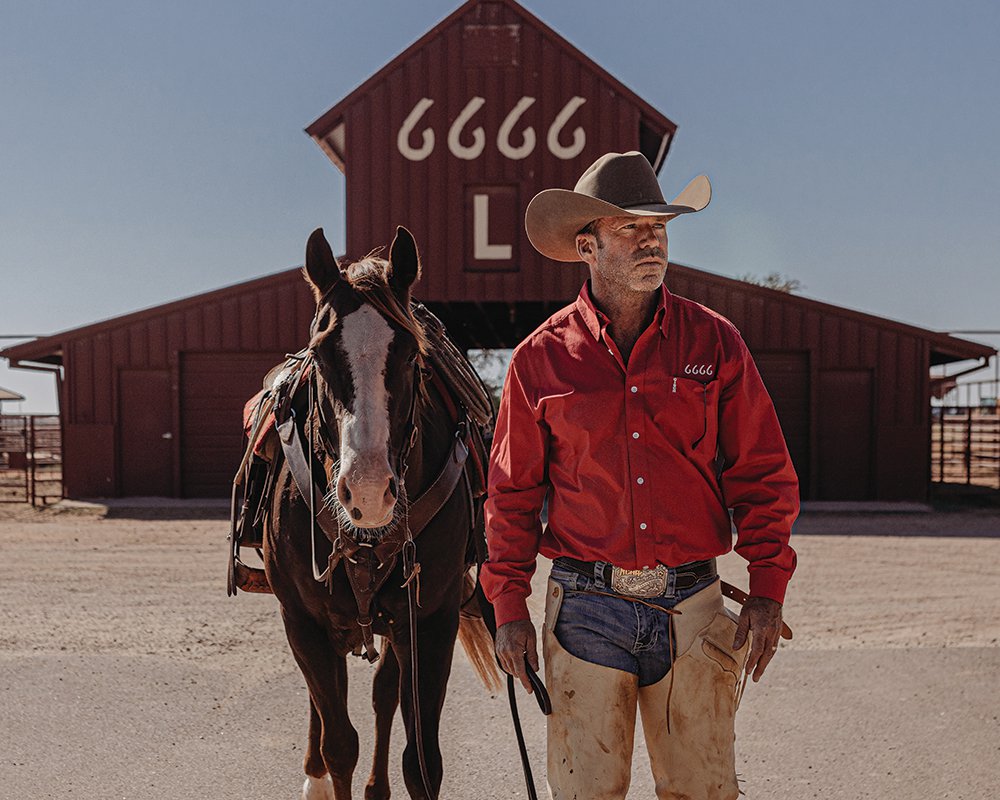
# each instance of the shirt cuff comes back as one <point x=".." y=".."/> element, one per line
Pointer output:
<point x="769" y="582"/>
<point x="510" y="607"/>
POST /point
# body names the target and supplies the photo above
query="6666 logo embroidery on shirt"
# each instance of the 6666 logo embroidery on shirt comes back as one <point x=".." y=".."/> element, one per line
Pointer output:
<point x="699" y="369"/>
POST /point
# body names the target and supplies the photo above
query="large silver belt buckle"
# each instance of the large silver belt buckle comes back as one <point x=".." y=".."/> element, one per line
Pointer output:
<point x="644" y="582"/>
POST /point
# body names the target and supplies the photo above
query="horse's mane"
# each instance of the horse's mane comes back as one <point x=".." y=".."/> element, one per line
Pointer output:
<point x="369" y="277"/>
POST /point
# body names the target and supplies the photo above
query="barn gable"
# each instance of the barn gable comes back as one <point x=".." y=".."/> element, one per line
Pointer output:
<point x="454" y="136"/>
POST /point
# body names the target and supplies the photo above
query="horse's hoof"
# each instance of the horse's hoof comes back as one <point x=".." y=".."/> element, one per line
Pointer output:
<point x="317" y="788"/>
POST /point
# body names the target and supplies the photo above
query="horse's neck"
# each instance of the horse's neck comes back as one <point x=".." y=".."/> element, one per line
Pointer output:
<point x="432" y="446"/>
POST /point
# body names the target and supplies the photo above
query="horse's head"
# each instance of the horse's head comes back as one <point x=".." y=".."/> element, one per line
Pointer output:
<point x="366" y="347"/>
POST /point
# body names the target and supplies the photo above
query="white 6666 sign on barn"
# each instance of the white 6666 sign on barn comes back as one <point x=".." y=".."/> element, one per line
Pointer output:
<point x="455" y="135"/>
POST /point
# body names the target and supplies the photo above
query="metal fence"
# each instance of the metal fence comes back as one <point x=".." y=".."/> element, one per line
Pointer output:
<point x="965" y="436"/>
<point x="30" y="459"/>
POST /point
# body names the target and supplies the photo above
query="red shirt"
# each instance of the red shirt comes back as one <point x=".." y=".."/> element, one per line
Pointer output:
<point x="640" y="462"/>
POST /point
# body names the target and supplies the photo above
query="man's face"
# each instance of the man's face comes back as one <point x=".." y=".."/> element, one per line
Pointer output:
<point x="626" y="254"/>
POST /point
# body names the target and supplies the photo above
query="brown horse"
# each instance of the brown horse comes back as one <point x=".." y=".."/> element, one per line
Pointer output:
<point x="378" y="434"/>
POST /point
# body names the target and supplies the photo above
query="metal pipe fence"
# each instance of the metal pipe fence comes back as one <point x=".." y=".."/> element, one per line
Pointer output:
<point x="965" y="434"/>
<point x="30" y="459"/>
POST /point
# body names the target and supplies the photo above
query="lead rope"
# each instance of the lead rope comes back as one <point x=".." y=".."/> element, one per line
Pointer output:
<point x="411" y="576"/>
<point x="673" y="658"/>
<point x="325" y="575"/>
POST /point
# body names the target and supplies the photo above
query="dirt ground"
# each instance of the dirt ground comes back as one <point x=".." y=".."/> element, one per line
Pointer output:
<point x="126" y="672"/>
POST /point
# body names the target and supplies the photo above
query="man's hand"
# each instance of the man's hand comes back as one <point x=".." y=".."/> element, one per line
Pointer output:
<point x="515" y="640"/>
<point x="762" y="617"/>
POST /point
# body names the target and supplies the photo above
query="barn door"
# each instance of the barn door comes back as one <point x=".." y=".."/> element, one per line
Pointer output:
<point x="147" y="449"/>
<point x="786" y="376"/>
<point x="845" y="434"/>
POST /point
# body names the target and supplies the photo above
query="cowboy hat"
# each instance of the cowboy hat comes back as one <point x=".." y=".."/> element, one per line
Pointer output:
<point x="616" y="185"/>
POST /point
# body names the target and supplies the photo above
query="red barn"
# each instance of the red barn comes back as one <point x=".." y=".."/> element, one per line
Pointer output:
<point x="452" y="138"/>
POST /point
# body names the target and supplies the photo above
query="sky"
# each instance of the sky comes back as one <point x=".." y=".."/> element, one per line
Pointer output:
<point x="152" y="151"/>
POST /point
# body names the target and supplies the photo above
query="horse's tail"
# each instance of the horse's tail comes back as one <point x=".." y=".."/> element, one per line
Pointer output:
<point x="476" y="640"/>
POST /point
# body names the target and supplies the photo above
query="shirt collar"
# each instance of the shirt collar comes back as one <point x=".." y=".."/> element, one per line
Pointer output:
<point x="596" y="321"/>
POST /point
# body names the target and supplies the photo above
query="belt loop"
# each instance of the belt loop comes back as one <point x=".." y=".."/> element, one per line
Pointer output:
<point x="599" y="569"/>
<point x="671" y="590"/>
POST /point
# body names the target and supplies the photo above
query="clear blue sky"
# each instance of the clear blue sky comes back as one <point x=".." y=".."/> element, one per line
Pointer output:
<point x="151" y="151"/>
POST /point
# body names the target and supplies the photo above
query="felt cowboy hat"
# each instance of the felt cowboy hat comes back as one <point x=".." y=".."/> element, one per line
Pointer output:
<point x="616" y="185"/>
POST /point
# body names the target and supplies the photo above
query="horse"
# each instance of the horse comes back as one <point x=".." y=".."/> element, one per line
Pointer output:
<point x="378" y="437"/>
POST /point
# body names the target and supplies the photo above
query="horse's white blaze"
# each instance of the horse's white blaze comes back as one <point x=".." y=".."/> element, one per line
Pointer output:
<point x="366" y="337"/>
<point x="317" y="788"/>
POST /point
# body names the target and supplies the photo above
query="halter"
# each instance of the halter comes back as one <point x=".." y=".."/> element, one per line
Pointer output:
<point x="319" y="435"/>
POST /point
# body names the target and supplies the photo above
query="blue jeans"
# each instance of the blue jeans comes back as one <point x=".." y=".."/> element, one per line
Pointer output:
<point x="615" y="631"/>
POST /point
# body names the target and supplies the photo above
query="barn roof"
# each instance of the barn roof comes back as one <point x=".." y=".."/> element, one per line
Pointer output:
<point x="7" y="394"/>
<point x="328" y="130"/>
<point x="944" y="347"/>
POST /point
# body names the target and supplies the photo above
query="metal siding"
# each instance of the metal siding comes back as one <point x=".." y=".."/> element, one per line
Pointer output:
<point x="267" y="322"/>
<point x="213" y="390"/>
<point x="829" y="342"/>
<point x="176" y="336"/>
<point x="786" y="375"/>
<point x="156" y="342"/>
<point x="83" y="378"/>
<point x="146" y="413"/>
<point x="88" y="460"/>
<point x="845" y="422"/>
<point x="229" y="316"/>
<point x="850" y="346"/>
<point x="756" y="324"/>
<point x="211" y="316"/>
<point x="887" y="412"/>
<point x="138" y="345"/>
<point x="103" y="382"/>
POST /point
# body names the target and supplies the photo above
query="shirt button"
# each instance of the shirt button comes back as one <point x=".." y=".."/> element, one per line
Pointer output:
<point x="642" y="526"/>
<point x="635" y="389"/>
<point x="640" y="481"/>
<point x="635" y="435"/>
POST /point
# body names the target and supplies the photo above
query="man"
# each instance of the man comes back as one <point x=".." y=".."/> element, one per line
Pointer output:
<point x="642" y="419"/>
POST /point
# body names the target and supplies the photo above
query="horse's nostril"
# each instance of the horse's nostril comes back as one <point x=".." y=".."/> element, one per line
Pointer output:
<point x="347" y="494"/>
<point x="356" y="513"/>
<point x="392" y="487"/>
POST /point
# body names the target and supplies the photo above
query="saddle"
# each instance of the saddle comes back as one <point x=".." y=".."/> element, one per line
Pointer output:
<point x="271" y="438"/>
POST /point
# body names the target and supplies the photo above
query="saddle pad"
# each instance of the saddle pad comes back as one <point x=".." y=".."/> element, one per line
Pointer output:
<point x="264" y="427"/>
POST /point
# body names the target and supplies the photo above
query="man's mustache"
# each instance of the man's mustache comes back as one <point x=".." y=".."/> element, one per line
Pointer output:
<point x="651" y="252"/>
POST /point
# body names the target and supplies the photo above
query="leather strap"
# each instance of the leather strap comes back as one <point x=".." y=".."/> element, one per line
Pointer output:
<point x="433" y="498"/>
<point x="298" y="464"/>
<point x="733" y="593"/>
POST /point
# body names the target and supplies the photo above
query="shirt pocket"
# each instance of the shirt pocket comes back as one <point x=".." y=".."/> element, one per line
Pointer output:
<point x="689" y="413"/>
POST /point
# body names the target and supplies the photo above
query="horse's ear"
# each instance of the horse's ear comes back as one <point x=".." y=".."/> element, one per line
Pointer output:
<point x="322" y="270"/>
<point x="404" y="262"/>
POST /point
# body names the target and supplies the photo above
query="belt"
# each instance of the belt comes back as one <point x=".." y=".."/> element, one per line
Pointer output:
<point x="686" y="575"/>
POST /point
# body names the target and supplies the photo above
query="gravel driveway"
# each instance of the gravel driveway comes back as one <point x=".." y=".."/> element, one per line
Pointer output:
<point x="127" y="672"/>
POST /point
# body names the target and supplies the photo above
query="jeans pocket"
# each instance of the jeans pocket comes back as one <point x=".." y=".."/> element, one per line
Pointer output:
<point x="554" y="593"/>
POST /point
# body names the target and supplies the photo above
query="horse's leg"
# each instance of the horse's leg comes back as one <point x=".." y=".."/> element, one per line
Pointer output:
<point x="326" y="677"/>
<point x="318" y="785"/>
<point x="435" y="646"/>
<point x="385" y="699"/>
